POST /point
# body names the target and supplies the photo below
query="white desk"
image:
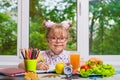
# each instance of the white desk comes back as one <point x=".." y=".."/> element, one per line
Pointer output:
<point x="62" y="77"/>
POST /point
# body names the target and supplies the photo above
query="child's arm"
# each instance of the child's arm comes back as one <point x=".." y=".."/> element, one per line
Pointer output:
<point x="21" y="65"/>
<point x="40" y="58"/>
<point x="41" y="64"/>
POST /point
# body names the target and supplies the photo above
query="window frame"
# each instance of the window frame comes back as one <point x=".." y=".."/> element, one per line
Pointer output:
<point x="23" y="34"/>
<point x="83" y="45"/>
<point x="82" y="17"/>
<point x="82" y="29"/>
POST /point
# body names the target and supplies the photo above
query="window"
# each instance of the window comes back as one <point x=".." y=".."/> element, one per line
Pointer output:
<point x="103" y="22"/>
<point x="29" y="31"/>
<point x="14" y="28"/>
<point x="8" y="28"/>
<point x="111" y="21"/>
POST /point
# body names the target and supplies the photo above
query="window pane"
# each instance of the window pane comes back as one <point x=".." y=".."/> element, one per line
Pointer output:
<point x="104" y="27"/>
<point x="59" y="11"/>
<point x="8" y="27"/>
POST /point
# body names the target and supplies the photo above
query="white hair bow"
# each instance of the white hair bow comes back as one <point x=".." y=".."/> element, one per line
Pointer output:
<point x="65" y="24"/>
<point x="49" y="23"/>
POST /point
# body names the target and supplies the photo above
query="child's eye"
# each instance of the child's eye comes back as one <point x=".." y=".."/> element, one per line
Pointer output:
<point x="53" y="38"/>
<point x="61" y="38"/>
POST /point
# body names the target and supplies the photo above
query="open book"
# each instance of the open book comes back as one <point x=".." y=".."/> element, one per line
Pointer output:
<point x="50" y="70"/>
<point x="12" y="71"/>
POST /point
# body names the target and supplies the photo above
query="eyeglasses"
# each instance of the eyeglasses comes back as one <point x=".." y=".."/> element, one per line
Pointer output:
<point x="61" y="39"/>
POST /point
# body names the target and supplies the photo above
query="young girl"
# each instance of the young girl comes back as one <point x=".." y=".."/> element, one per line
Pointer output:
<point x="57" y="37"/>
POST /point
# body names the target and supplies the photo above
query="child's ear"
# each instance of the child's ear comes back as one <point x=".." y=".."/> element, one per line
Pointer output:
<point x="66" y="24"/>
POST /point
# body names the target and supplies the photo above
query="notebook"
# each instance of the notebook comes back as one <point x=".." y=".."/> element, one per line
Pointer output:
<point x="12" y="71"/>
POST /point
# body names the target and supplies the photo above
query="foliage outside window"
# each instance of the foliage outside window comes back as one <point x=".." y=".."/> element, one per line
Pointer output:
<point x="59" y="11"/>
<point x="104" y="26"/>
<point x="8" y="27"/>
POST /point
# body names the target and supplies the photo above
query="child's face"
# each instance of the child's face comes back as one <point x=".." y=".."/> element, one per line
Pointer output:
<point x="57" y="44"/>
<point x="58" y="40"/>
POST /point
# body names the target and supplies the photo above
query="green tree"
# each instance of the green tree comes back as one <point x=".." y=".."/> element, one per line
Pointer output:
<point x="8" y="27"/>
<point x="8" y="35"/>
<point x="40" y="12"/>
<point x="104" y="27"/>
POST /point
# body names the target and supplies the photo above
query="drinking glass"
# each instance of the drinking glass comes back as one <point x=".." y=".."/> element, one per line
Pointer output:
<point x="75" y="60"/>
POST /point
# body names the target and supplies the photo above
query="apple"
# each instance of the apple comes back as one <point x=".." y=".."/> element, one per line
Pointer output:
<point x="59" y="68"/>
<point x="86" y="67"/>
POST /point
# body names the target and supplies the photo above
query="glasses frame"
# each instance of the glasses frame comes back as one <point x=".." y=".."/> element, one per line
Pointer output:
<point x="60" y="39"/>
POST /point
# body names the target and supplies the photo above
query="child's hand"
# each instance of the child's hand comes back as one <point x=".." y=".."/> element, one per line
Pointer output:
<point x="42" y="66"/>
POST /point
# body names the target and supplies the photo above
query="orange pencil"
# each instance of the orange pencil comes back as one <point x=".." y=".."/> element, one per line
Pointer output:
<point x="26" y="54"/>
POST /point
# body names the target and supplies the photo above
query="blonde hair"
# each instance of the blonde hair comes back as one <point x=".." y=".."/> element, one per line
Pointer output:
<point x="57" y="30"/>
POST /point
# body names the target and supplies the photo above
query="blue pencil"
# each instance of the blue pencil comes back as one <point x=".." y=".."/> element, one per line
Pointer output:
<point x="22" y="54"/>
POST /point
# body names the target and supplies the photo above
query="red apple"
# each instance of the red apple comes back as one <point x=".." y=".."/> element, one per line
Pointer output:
<point x="86" y="67"/>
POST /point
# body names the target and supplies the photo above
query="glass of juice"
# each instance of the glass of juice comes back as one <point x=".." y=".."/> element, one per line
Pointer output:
<point x="75" y="60"/>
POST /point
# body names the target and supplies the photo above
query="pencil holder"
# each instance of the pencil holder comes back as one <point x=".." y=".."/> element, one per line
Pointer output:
<point x="30" y="64"/>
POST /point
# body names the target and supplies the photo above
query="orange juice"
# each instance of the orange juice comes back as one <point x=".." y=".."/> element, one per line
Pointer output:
<point x="75" y="61"/>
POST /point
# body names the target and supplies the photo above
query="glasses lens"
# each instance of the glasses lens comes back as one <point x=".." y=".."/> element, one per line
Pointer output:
<point x="61" y="39"/>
